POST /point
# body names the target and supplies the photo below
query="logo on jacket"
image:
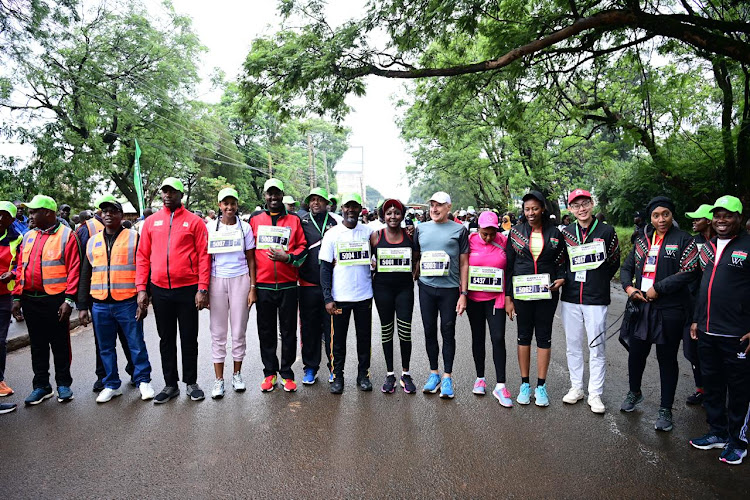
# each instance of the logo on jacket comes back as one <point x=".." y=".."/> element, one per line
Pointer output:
<point x="741" y="355"/>
<point x="671" y="250"/>
<point x="185" y="224"/>
<point x="738" y="258"/>
<point x="158" y="223"/>
<point x="554" y="242"/>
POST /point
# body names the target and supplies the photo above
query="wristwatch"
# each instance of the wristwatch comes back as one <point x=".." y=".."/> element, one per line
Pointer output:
<point x="465" y="293"/>
<point x="200" y="290"/>
<point x="70" y="302"/>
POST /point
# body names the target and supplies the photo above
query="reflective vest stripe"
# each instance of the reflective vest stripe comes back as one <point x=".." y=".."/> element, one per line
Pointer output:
<point x="94" y="227"/>
<point x="54" y="273"/>
<point x="114" y="277"/>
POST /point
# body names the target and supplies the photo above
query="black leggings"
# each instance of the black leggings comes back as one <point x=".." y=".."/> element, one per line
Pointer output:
<point x="672" y="325"/>
<point x="392" y="301"/>
<point x="478" y="313"/>
<point x="535" y="317"/>
<point x="434" y="301"/>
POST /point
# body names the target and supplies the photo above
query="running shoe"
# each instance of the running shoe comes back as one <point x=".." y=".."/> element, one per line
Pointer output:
<point x="38" y="395"/>
<point x="4" y="389"/>
<point x="237" y="383"/>
<point x="446" y="388"/>
<point x="540" y="396"/>
<point x="310" y="377"/>
<point x="503" y="396"/>
<point x="732" y="455"/>
<point x="596" y="404"/>
<point x="167" y="394"/>
<point x="389" y="386"/>
<point x="710" y="441"/>
<point x="268" y="383"/>
<point x="107" y="394"/>
<point x="195" y="392"/>
<point x="7" y="407"/>
<point x="524" y="394"/>
<point x="432" y="384"/>
<point x="337" y="386"/>
<point x="631" y="400"/>
<point x="289" y="384"/>
<point x="147" y="391"/>
<point x="696" y="398"/>
<point x="408" y="384"/>
<point x="64" y="394"/>
<point x="664" y="420"/>
<point x="330" y="378"/>
<point x="218" y="391"/>
<point x="480" y="387"/>
<point x="574" y="395"/>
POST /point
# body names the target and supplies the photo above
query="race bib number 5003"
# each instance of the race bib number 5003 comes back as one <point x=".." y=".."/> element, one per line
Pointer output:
<point x="273" y="237"/>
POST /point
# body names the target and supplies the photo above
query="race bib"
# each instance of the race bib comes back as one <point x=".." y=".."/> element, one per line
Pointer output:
<point x="581" y="276"/>
<point x="587" y="256"/>
<point x="394" y="260"/>
<point x="485" y="279"/>
<point x="531" y="287"/>
<point x="653" y="254"/>
<point x="273" y="237"/>
<point x="646" y="284"/>
<point x="224" y="241"/>
<point x="435" y="263"/>
<point x="353" y="253"/>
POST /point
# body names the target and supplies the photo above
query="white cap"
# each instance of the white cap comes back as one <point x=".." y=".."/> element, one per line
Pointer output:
<point x="410" y="211"/>
<point x="441" y="197"/>
<point x="471" y="211"/>
<point x="462" y="213"/>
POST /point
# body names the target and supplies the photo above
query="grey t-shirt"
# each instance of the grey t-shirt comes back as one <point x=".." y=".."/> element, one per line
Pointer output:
<point x="449" y="237"/>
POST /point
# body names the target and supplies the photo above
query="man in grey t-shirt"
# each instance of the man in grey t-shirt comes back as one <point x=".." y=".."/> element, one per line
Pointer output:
<point x="443" y="287"/>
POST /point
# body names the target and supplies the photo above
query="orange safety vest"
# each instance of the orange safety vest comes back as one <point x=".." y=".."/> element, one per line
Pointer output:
<point x="94" y="227"/>
<point x="54" y="274"/>
<point x="115" y="276"/>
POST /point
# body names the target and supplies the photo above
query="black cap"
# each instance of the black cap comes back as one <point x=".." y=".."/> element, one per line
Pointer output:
<point x="535" y="195"/>
<point x="115" y="204"/>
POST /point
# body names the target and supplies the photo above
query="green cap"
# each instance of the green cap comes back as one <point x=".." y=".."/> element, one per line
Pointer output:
<point x="41" y="201"/>
<point x="226" y="192"/>
<point x="703" y="212"/>
<point x="273" y="183"/>
<point x="729" y="203"/>
<point x="317" y="192"/>
<point x="6" y="206"/>
<point x="288" y="200"/>
<point x="334" y="198"/>
<point x="174" y="183"/>
<point x="108" y="198"/>
<point x="346" y="198"/>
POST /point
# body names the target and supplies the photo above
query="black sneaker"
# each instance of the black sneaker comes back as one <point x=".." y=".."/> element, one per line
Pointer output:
<point x="408" y="384"/>
<point x="695" y="398"/>
<point x="389" y="387"/>
<point x="169" y="392"/>
<point x="364" y="384"/>
<point x="195" y="392"/>
<point x="631" y="400"/>
<point x="664" y="422"/>
<point x="337" y="386"/>
<point x="98" y="386"/>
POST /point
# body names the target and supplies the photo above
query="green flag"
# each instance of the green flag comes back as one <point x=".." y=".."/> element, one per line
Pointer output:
<point x="137" y="179"/>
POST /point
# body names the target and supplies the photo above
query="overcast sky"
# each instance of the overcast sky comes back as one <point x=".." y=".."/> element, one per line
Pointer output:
<point x="227" y="28"/>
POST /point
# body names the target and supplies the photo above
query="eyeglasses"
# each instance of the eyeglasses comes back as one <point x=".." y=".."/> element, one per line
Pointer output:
<point x="583" y="204"/>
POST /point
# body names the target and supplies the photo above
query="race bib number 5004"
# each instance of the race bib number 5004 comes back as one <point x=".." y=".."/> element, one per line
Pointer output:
<point x="353" y="253"/>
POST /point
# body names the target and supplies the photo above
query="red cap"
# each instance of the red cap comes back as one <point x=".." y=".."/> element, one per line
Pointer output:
<point x="578" y="193"/>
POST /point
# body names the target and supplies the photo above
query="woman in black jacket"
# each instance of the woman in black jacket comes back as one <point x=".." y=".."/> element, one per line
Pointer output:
<point x="656" y="275"/>
<point x="535" y="248"/>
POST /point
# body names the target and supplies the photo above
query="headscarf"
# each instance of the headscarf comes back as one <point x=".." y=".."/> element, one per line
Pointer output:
<point x="659" y="201"/>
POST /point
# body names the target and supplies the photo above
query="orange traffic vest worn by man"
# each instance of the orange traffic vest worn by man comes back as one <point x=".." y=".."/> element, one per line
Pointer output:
<point x="46" y="285"/>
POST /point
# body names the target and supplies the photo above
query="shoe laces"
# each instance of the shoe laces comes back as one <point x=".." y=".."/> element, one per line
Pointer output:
<point x="542" y="390"/>
<point x="505" y="392"/>
<point x="665" y="413"/>
<point x="632" y="398"/>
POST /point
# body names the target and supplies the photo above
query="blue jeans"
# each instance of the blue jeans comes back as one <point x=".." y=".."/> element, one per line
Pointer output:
<point x="106" y="317"/>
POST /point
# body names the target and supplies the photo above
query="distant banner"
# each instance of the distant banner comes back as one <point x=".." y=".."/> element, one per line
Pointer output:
<point x="138" y="178"/>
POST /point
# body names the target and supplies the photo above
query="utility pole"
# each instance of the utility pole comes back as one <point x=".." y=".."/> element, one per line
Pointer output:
<point x="310" y="161"/>
<point x="325" y="167"/>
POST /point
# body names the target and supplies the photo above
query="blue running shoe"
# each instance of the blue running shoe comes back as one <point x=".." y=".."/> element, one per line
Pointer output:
<point x="732" y="455"/>
<point x="310" y="377"/>
<point x="503" y="396"/>
<point x="709" y="441"/>
<point x="524" y="394"/>
<point x="64" y="394"/>
<point x="446" y="389"/>
<point x="540" y="396"/>
<point x="38" y="395"/>
<point x="432" y="384"/>
<point x="330" y="378"/>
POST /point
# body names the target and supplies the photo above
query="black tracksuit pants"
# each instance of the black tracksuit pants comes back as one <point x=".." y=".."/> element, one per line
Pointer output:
<point x="726" y="369"/>
<point x="172" y="307"/>
<point x="281" y="304"/>
<point x="45" y="332"/>
<point x="315" y="322"/>
<point x="398" y="302"/>
<point x="442" y="301"/>
<point x="480" y="313"/>
<point x="363" y="327"/>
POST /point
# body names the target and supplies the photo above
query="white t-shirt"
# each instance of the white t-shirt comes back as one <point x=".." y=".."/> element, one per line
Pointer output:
<point x="232" y="264"/>
<point x="376" y="225"/>
<point x="720" y="245"/>
<point x="350" y="283"/>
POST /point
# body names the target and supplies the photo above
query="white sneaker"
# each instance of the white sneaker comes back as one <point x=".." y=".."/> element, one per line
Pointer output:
<point x="573" y="396"/>
<point x="595" y="402"/>
<point x="147" y="391"/>
<point x="237" y="383"/>
<point x="218" y="391"/>
<point x="107" y="394"/>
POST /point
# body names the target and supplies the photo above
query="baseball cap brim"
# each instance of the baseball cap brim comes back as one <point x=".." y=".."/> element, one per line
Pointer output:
<point x="729" y="203"/>
<point x="41" y="201"/>
<point x="228" y="192"/>
<point x="174" y="183"/>
<point x="703" y="212"/>
<point x="273" y="183"/>
<point x="441" y="197"/>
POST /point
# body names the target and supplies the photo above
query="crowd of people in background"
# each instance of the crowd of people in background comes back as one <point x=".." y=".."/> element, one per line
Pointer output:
<point x="323" y="262"/>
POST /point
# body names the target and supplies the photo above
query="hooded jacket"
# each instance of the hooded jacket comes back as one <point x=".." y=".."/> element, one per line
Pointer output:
<point x="520" y="260"/>
<point x="595" y="291"/>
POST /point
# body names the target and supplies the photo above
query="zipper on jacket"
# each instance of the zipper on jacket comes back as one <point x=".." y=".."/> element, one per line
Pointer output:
<point x="38" y="239"/>
<point x="109" y="256"/>
<point x="169" y="239"/>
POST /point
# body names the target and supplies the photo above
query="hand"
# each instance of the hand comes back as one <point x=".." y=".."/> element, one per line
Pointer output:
<point x="252" y="298"/>
<point x="201" y="301"/>
<point x="510" y="308"/>
<point x="652" y="294"/>
<point x="141" y="312"/>
<point x="277" y="254"/>
<point x="332" y="309"/>
<point x="461" y="304"/>
<point x="63" y="313"/>
<point x="6" y="277"/>
<point x="635" y="294"/>
<point x="83" y="317"/>
<point x="16" y="310"/>
<point x="694" y="331"/>
<point x="744" y="338"/>
<point x="142" y="300"/>
<point x="556" y="285"/>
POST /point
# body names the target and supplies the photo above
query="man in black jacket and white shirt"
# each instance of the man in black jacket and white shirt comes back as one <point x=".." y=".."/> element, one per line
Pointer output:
<point x="721" y="325"/>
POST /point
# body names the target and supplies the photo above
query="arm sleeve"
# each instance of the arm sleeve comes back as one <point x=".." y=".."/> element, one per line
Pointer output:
<point x="561" y="256"/>
<point x="326" y="280"/>
<point x="689" y="271"/>
<point x="417" y="248"/>
<point x="298" y="250"/>
<point x="204" y="259"/>
<point x="510" y="254"/>
<point x="613" y="255"/>
<point x="84" y="285"/>
<point x="143" y="258"/>
<point x="72" y="266"/>
<point x="463" y="242"/>
<point x="18" y="288"/>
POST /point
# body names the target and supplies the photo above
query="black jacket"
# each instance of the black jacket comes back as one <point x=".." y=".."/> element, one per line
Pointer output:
<point x="310" y="269"/>
<point x="520" y="261"/>
<point x="677" y="267"/>
<point x="723" y="304"/>
<point x="595" y="291"/>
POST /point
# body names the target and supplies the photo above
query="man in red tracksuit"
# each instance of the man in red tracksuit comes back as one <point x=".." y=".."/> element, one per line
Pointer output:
<point x="280" y="250"/>
<point x="174" y="251"/>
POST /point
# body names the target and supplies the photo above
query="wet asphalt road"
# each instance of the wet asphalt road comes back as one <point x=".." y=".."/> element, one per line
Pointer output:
<point x="312" y="444"/>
